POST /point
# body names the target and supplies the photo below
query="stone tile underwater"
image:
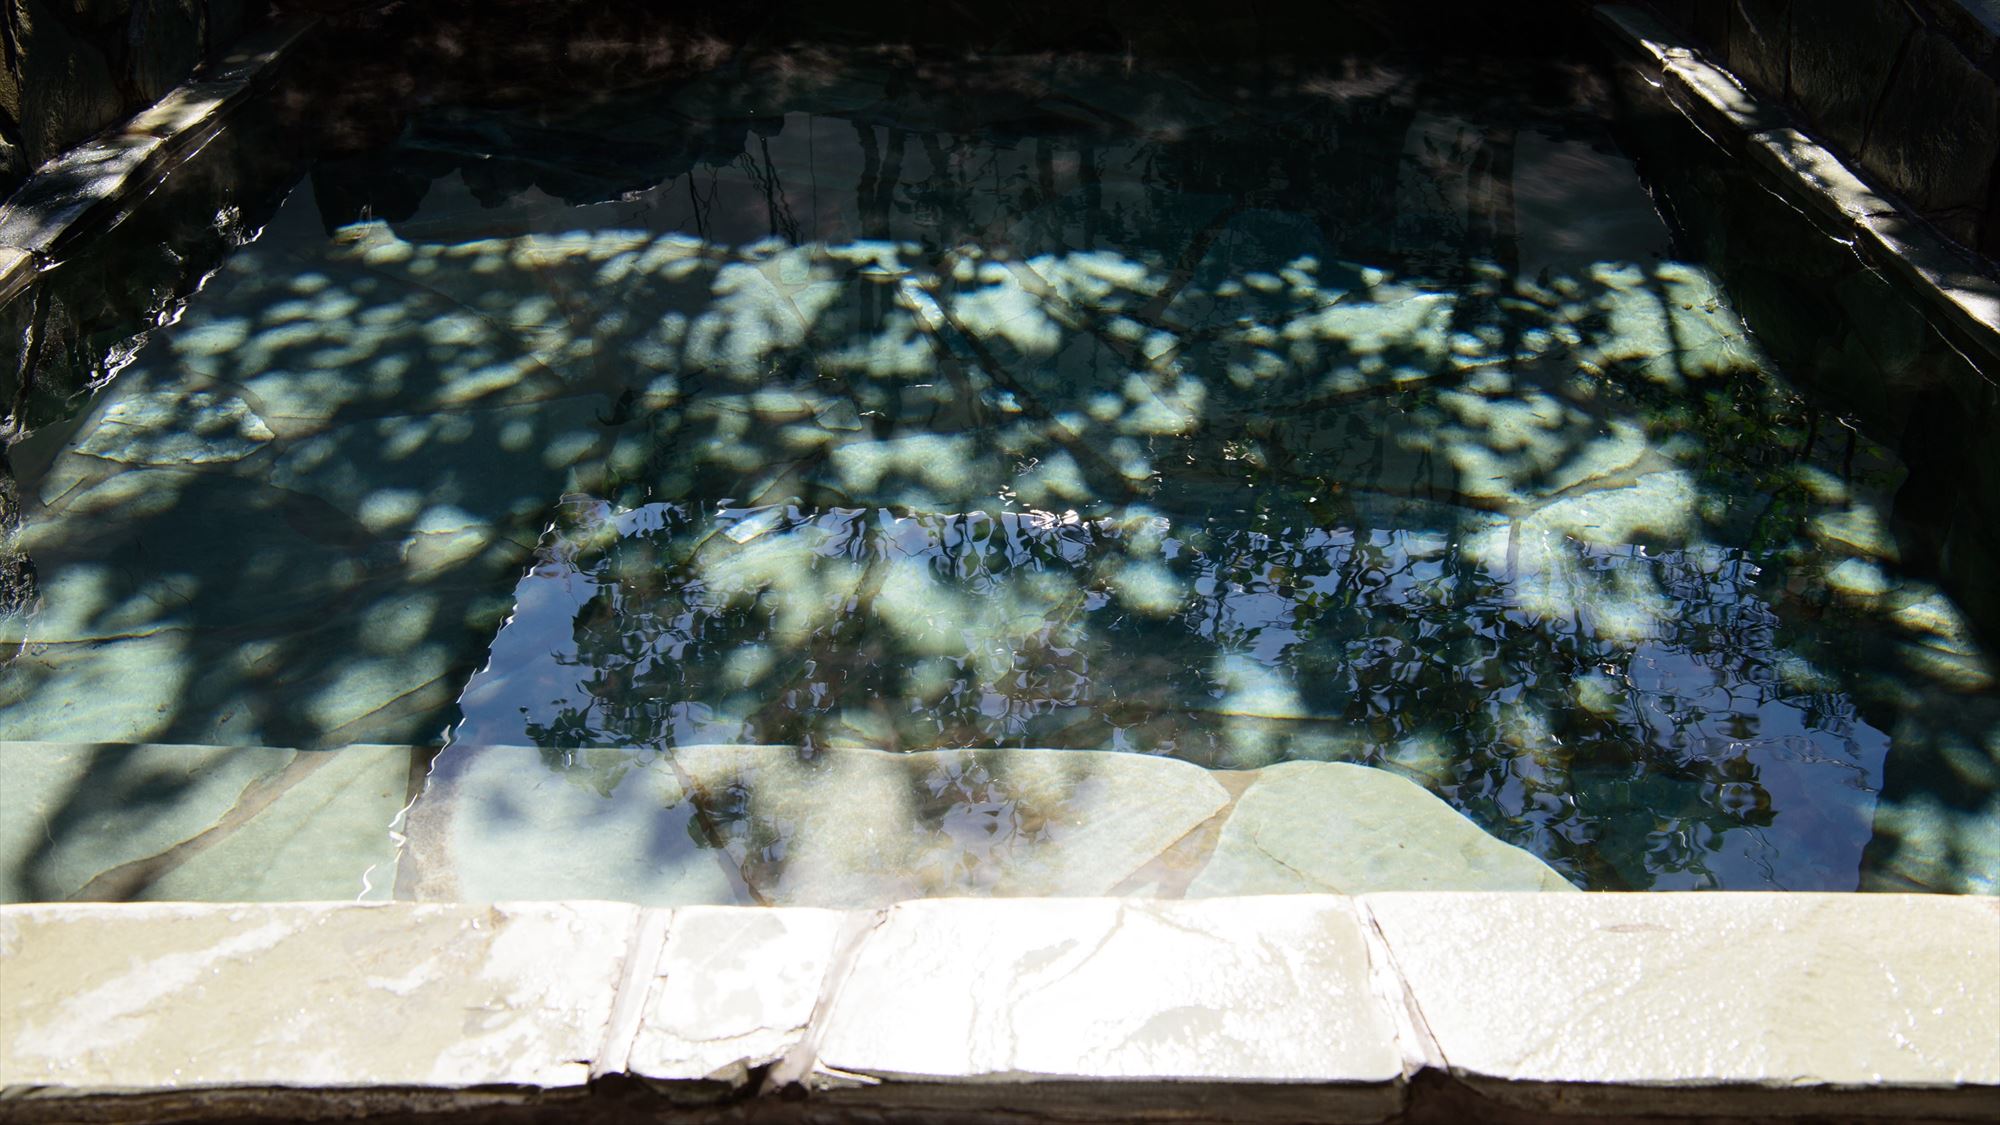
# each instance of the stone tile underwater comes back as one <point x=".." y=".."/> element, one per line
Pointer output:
<point x="839" y="479"/>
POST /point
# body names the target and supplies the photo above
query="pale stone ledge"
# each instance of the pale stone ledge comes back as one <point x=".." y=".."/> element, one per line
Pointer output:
<point x="17" y="266"/>
<point x="1250" y="991"/>
<point x="1402" y="1006"/>
<point x="146" y="998"/>
<point x="1698" y="1003"/>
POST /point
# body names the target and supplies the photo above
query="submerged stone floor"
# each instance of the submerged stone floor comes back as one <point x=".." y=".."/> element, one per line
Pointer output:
<point x="717" y="825"/>
<point x="1406" y="1007"/>
<point x="1297" y="1006"/>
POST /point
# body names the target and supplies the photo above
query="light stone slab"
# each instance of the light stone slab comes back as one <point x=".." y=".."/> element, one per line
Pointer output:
<point x="499" y="822"/>
<point x="17" y="267"/>
<point x="1329" y="826"/>
<point x="1254" y="990"/>
<point x="325" y="837"/>
<point x="170" y="996"/>
<point x="1616" y="1000"/>
<point x="734" y="989"/>
<point x="202" y="823"/>
<point x="1304" y="1007"/>
<point x="868" y="827"/>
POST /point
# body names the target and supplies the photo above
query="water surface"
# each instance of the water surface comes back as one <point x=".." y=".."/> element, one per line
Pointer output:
<point x="1360" y="413"/>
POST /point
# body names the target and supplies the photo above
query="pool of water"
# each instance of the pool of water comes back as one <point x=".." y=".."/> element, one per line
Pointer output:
<point x="855" y="400"/>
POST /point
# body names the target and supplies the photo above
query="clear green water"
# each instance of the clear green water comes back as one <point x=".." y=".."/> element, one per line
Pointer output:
<point x="1358" y="415"/>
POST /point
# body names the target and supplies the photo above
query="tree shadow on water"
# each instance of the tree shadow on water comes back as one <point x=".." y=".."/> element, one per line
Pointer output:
<point x="1095" y="419"/>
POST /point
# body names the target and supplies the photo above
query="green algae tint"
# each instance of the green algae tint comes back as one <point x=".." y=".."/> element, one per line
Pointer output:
<point x="836" y="400"/>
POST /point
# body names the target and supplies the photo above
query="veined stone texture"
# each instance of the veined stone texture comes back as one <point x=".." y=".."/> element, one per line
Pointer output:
<point x="175" y="996"/>
<point x="216" y="823"/>
<point x="1750" y="989"/>
<point x="1019" y="991"/>
<point x="1282" y="1008"/>
<point x="732" y="990"/>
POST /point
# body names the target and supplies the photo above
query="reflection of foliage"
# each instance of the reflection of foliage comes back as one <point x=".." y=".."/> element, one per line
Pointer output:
<point x="1383" y="646"/>
<point x="1549" y="545"/>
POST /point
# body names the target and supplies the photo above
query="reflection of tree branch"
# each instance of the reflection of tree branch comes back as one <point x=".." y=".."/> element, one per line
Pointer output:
<point x="997" y="372"/>
<point x="765" y="175"/>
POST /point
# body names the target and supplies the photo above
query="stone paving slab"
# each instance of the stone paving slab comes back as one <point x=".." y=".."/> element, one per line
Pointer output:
<point x="1261" y="990"/>
<point x="733" y="990"/>
<point x="1410" y="1006"/>
<point x="160" y="997"/>
<point x="1607" y="1002"/>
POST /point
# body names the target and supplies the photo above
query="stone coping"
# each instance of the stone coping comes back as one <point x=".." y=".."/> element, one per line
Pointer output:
<point x="1398" y="1006"/>
<point x="83" y="189"/>
<point x="1956" y="287"/>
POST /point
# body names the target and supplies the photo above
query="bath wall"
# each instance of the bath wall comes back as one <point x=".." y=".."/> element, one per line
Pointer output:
<point x="71" y="67"/>
<point x="1908" y="90"/>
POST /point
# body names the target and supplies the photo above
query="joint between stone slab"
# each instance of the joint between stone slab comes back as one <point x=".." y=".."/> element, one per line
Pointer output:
<point x="1416" y="1043"/>
<point x="635" y="991"/>
<point x="801" y="1064"/>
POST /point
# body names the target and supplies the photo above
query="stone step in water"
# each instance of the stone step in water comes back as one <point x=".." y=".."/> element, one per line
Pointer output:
<point x="854" y="828"/>
<point x="96" y="821"/>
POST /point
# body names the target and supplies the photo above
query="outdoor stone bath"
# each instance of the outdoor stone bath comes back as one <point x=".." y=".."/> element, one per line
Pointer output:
<point x="805" y="564"/>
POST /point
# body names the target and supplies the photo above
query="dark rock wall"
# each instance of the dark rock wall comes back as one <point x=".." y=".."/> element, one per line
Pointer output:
<point x="71" y="67"/>
<point x="1908" y="89"/>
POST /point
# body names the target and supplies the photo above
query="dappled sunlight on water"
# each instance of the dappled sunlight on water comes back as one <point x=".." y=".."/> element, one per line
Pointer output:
<point x="1336" y="418"/>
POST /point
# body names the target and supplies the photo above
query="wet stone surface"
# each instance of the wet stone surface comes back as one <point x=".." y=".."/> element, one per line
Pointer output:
<point x="235" y="823"/>
<point x="853" y="827"/>
<point x="864" y="407"/>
